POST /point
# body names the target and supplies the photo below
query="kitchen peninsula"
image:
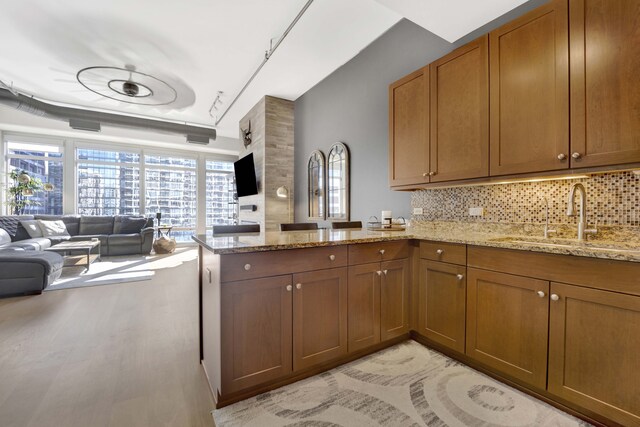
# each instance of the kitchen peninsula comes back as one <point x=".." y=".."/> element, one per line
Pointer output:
<point x="277" y="307"/>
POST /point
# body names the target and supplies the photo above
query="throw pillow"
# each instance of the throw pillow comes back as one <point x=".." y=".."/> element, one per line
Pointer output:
<point x="32" y="227"/>
<point x="5" y="238"/>
<point x="53" y="228"/>
<point x="131" y="225"/>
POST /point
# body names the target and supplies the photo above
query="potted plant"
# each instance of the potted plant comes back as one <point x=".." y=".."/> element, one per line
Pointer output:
<point x="24" y="186"/>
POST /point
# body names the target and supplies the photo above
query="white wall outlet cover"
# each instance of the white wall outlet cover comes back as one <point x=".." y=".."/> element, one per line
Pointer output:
<point x="418" y="211"/>
<point x="476" y="211"/>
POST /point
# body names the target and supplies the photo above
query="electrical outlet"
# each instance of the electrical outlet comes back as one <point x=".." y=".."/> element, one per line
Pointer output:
<point x="418" y="211"/>
<point x="476" y="211"/>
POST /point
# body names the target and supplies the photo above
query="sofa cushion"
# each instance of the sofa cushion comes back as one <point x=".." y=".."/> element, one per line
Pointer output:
<point x="53" y="228"/>
<point x="125" y="239"/>
<point x="128" y="225"/>
<point x="32" y="227"/>
<point x="103" y="238"/>
<point x="5" y="238"/>
<point x="92" y="225"/>
<point x="58" y="239"/>
<point x="11" y="224"/>
<point x="36" y="244"/>
<point x="51" y="261"/>
<point x="72" y="222"/>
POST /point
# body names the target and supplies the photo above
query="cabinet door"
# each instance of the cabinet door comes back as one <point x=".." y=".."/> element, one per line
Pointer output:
<point x="605" y="88"/>
<point x="319" y="317"/>
<point x="409" y="129"/>
<point x="256" y="318"/>
<point x="394" y="298"/>
<point x="364" y="305"/>
<point x="529" y="92"/>
<point x="594" y="351"/>
<point x="460" y="113"/>
<point x="507" y="323"/>
<point x="441" y="306"/>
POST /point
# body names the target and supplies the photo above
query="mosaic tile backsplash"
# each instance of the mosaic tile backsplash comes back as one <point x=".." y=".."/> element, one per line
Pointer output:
<point x="612" y="199"/>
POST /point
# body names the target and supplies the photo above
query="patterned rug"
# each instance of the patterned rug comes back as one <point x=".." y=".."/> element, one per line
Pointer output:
<point x="405" y="385"/>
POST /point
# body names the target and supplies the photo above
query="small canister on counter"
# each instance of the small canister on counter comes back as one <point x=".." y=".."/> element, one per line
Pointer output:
<point x="386" y="219"/>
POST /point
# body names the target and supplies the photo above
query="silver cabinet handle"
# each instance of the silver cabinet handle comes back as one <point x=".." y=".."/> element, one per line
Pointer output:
<point x="298" y="285"/>
<point x="425" y="174"/>
<point x="247" y="267"/>
<point x="562" y="156"/>
<point x="332" y="257"/>
<point x="381" y="251"/>
<point x="460" y="276"/>
<point x="541" y="294"/>
<point x="289" y="288"/>
<point x="439" y="251"/>
<point x="576" y="155"/>
<point x="432" y="173"/>
<point x="209" y="274"/>
<point x="555" y="297"/>
<point x="385" y="272"/>
<point x="379" y="273"/>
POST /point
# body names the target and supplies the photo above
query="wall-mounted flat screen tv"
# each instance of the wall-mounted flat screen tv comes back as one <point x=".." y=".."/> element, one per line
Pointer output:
<point x="245" y="171"/>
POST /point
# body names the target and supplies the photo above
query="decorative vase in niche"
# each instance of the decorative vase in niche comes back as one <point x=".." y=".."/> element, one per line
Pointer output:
<point x="164" y="245"/>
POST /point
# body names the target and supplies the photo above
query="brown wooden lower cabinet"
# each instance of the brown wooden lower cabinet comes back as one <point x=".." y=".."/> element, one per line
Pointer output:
<point x="507" y="324"/>
<point x="394" y="298"/>
<point x="594" y="351"/>
<point x="256" y="314"/>
<point x="364" y="305"/>
<point x="442" y="301"/>
<point x="319" y="317"/>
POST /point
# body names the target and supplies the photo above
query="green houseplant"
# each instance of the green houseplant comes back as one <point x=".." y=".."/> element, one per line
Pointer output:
<point x="23" y="186"/>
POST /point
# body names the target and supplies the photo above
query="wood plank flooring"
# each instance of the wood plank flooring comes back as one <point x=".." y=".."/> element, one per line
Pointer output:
<point x="114" y="355"/>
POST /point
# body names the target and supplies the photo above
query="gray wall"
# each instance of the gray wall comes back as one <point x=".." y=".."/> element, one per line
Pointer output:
<point x="351" y="106"/>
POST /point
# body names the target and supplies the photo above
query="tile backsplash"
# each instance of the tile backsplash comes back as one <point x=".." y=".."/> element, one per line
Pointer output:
<point x="612" y="199"/>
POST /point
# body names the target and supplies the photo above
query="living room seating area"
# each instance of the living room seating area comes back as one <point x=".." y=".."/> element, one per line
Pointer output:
<point x="25" y="267"/>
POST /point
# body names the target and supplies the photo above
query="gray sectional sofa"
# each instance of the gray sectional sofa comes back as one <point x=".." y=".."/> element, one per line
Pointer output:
<point x="25" y="268"/>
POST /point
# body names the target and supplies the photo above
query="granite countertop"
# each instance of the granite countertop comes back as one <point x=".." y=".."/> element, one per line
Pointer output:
<point x="627" y="249"/>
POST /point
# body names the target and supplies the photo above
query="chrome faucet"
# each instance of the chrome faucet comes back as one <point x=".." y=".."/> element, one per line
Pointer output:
<point x="571" y="209"/>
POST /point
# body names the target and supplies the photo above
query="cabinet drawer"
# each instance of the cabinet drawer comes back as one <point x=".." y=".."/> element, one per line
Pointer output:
<point x="272" y="263"/>
<point x="452" y="253"/>
<point x="380" y="251"/>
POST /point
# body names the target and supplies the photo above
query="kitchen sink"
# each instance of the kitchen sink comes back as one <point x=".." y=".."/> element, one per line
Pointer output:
<point x="569" y="243"/>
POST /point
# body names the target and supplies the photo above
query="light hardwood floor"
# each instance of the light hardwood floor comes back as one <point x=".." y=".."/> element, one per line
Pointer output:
<point x="115" y="355"/>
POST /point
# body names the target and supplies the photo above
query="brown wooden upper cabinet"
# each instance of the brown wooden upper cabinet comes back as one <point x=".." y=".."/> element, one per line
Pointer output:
<point x="605" y="88"/>
<point x="460" y="113"/>
<point x="409" y="129"/>
<point x="529" y="81"/>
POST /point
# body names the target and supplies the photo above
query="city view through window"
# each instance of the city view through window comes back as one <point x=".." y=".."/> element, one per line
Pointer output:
<point x="121" y="182"/>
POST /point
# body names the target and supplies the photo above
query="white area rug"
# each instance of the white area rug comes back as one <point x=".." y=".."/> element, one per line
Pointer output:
<point x="405" y="385"/>
<point x="119" y="269"/>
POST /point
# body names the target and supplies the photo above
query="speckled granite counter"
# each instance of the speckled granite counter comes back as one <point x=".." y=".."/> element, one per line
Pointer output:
<point x="625" y="247"/>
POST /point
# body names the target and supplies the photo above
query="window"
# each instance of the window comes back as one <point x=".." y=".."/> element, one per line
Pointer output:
<point x="108" y="182"/>
<point x="221" y="200"/>
<point x="171" y="189"/>
<point x="44" y="162"/>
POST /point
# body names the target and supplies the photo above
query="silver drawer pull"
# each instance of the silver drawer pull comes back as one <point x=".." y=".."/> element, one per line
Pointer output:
<point x="247" y="267"/>
<point x="460" y="276"/>
<point x="298" y="285"/>
<point x="209" y="274"/>
<point x="385" y="272"/>
<point x="439" y="252"/>
<point x="332" y="257"/>
<point x="381" y="251"/>
<point x="289" y="288"/>
<point x="379" y="273"/>
<point x="555" y="297"/>
<point x="541" y="294"/>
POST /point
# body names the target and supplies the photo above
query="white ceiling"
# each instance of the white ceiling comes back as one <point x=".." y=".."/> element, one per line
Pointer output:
<point x="204" y="46"/>
<point x="451" y="19"/>
<point x="199" y="46"/>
